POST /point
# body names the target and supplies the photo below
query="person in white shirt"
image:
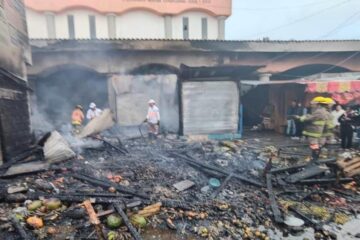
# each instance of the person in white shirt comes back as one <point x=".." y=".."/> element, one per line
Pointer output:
<point x="153" y="118"/>
<point x="93" y="112"/>
<point x="336" y="114"/>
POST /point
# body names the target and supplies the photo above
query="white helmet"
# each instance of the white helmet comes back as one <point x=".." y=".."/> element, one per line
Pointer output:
<point x="92" y="105"/>
<point x="151" y="101"/>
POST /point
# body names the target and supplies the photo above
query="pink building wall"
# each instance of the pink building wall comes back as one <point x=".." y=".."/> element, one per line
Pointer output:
<point x="161" y="7"/>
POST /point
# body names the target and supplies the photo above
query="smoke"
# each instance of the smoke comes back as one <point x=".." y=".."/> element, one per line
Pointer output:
<point x="41" y="125"/>
<point x="39" y="121"/>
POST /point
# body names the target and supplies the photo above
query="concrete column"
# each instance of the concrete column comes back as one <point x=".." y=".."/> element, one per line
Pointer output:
<point x="112" y="95"/>
<point x="221" y="27"/>
<point x="50" y="25"/>
<point x="168" y="26"/>
<point x="264" y="77"/>
<point x="111" y="22"/>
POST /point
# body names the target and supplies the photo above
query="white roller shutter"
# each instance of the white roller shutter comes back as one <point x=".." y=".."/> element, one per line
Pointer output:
<point x="210" y="107"/>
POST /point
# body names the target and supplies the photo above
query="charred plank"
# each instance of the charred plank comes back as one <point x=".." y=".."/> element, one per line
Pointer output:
<point x="308" y="172"/>
<point x="216" y="169"/>
<point x="20" y="229"/>
<point x="106" y="184"/>
<point x="325" y="180"/>
<point x="127" y="222"/>
<point x="274" y="206"/>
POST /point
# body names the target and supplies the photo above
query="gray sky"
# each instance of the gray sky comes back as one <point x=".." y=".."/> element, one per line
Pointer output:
<point x="291" y="19"/>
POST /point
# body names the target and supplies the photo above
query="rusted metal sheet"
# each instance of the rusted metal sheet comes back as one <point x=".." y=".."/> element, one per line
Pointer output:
<point x="210" y="107"/>
<point x="11" y="94"/>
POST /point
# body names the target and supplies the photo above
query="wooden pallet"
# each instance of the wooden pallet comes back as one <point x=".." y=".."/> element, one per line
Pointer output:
<point x="350" y="167"/>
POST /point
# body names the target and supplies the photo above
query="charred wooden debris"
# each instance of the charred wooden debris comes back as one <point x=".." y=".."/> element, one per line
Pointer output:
<point x="209" y="190"/>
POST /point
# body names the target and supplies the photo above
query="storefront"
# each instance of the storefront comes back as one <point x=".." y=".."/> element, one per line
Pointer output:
<point x="280" y="94"/>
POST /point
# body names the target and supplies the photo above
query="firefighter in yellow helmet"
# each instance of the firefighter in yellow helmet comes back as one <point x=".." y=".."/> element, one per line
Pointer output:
<point x="315" y="125"/>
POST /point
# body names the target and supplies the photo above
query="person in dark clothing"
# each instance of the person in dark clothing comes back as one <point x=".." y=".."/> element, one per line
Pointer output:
<point x="300" y="111"/>
<point x="346" y="129"/>
<point x="291" y="113"/>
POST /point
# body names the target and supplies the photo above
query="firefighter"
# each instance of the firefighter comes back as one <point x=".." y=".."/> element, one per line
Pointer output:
<point x="315" y="125"/>
<point x="153" y="119"/>
<point x="77" y="118"/>
<point x="329" y="130"/>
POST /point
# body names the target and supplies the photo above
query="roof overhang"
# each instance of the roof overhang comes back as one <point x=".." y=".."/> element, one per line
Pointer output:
<point x="178" y="45"/>
<point x="222" y="71"/>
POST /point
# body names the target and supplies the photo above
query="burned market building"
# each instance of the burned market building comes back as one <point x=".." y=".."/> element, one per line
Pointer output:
<point x="203" y="87"/>
<point x="15" y="134"/>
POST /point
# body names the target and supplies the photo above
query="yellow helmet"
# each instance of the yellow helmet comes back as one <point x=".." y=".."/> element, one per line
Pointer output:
<point x="317" y="100"/>
<point x="328" y="101"/>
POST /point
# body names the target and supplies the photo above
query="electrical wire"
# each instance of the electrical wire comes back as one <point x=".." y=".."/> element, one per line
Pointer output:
<point x="271" y="8"/>
<point x="345" y="23"/>
<point x="302" y="18"/>
<point x="323" y="71"/>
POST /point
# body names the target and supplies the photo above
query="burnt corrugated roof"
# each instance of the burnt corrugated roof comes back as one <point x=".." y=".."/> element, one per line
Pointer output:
<point x="207" y="45"/>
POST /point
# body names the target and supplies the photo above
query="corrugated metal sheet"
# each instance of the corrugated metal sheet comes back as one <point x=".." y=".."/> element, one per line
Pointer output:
<point x="134" y="91"/>
<point x="210" y="107"/>
<point x="211" y="45"/>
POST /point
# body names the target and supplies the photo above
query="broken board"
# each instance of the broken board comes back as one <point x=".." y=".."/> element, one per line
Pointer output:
<point x="308" y="172"/>
<point x="183" y="185"/>
<point x="26" y="168"/>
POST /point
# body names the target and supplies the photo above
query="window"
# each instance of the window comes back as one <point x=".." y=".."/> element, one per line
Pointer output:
<point x="204" y="28"/>
<point x="186" y="28"/>
<point x="111" y="18"/>
<point x="71" y="26"/>
<point x="92" y="24"/>
<point x="50" y="25"/>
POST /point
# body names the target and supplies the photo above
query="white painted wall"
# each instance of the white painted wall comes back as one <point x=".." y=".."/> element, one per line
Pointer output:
<point x="140" y="24"/>
<point x="194" y="25"/>
<point x="61" y="25"/>
<point x="134" y="24"/>
<point x="36" y="24"/>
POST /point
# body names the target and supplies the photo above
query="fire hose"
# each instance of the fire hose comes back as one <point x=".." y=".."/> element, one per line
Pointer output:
<point x="139" y="128"/>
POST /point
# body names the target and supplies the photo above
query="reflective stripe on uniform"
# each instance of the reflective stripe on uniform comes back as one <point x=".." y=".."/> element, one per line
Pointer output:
<point x="302" y="119"/>
<point x="312" y="134"/>
<point x="329" y="134"/>
<point x="76" y="122"/>
<point x="318" y="123"/>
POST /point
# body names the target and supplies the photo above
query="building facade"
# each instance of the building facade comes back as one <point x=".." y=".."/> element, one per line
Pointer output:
<point x="182" y="76"/>
<point x="146" y="19"/>
<point x="15" y="135"/>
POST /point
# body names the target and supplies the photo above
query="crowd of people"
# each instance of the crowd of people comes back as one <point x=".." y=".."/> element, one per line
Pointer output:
<point x="343" y="122"/>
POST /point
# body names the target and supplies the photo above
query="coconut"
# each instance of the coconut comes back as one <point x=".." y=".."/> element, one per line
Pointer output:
<point x="138" y="221"/>
<point x="52" y="204"/>
<point x="34" y="205"/>
<point x="113" y="221"/>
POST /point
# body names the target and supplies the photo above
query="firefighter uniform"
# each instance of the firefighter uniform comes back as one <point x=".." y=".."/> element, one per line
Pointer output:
<point x="329" y="130"/>
<point x="315" y="125"/>
<point x="77" y="118"/>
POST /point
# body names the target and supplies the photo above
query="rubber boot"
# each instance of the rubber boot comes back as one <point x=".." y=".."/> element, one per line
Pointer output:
<point x="315" y="154"/>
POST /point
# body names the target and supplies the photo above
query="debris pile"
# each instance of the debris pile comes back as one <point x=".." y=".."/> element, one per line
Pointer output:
<point x="191" y="190"/>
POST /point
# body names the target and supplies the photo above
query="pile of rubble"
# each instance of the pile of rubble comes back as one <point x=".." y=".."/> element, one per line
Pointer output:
<point x="191" y="190"/>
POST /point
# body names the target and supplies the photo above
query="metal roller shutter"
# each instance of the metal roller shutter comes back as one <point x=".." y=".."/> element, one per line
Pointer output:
<point x="210" y="107"/>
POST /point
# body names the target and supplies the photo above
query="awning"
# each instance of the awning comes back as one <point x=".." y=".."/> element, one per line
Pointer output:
<point x="342" y="91"/>
<point x="328" y="86"/>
